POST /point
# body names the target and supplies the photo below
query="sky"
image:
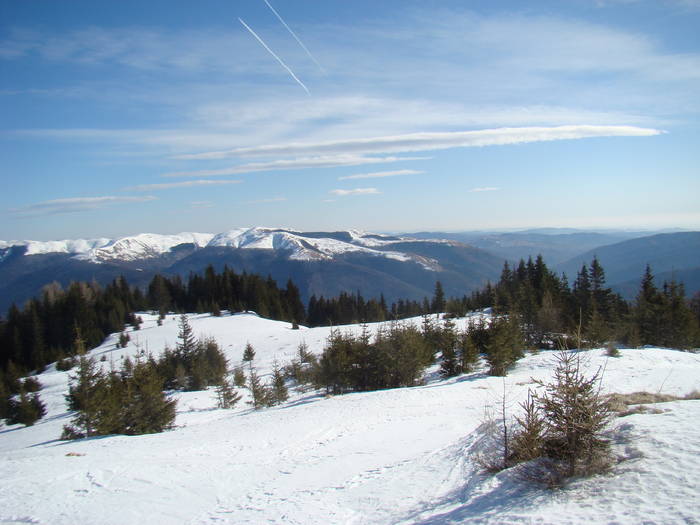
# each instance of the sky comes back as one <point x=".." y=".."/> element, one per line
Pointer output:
<point x="165" y="116"/>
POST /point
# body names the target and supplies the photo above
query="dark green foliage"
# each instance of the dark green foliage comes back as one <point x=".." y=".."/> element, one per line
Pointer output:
<point x="397" y="358"/>
<point x="86" y="395"/>
<point x="146" y="408"/>
<point x="226" y="396"/>
<point x="575" y="417"/>
<point x="248" y="353"/>
<point x="303" y="368"/>
<point x="65" y="364"/>
<point x="505" y="345"/>
<point x="562" y="428"/>
<point x="193" y="366"/>
<point x="26" y="410"/>
<point x="31" y="384"/>
<point x="344" y="309"/>
<point x="124" y="339"/>
<point x="260" y="394"/>
<point x="438" y="303"/>
<point x="447" y="340"/>
<point x="278" y="389"/>
<point x="663" y="317"/>
<point x="239" y="377"/>
<point x="468" y="352"/>
<point x="130" y="401"/>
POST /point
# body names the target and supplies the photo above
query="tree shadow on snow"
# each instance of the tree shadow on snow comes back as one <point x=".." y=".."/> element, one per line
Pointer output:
<point x="482" y="496"/>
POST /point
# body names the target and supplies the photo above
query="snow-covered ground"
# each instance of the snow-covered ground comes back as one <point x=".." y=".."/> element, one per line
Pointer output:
<point x="394" y="456"/>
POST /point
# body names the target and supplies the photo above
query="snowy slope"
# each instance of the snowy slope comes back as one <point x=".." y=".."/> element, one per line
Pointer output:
<point x="394" y="456"/>
<point x="296" y="245"/>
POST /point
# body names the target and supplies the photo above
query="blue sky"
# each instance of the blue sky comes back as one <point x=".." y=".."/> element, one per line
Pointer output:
<point x="168" y="116"/>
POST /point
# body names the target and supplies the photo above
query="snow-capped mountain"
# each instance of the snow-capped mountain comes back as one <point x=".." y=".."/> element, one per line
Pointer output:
<point x="320" y="263"/>
<point x="296" y="245"/>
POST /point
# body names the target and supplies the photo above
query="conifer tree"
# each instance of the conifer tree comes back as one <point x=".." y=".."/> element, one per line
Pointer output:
<point x="505" y="345"/>
<point x="26" y="410"/>
<point x="186" y="344"/>
<point x="147" y="409"/>
<point x="239" y="379"/>
<point x="248" y="353"/>
<point x="278" y="392"/>
<point x="438" y="303"/>
<point x="468" y="352"/>
<point x="226" y="396"/>
<point x="259" y="393"/>
<point x="86" y="396"/>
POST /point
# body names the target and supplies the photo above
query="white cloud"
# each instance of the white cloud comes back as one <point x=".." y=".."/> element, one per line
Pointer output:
<point x="428" y="141"/>
<point x="330" y="161"/>
<point x="74" y="204"/>
<point x="185" y="184"/>
<point x="356" y="191"/>
<point x="198" y="205"/>
<point x="380" y="174"/>
<point x="265" y="201"/>
<point x="488" y="188"/>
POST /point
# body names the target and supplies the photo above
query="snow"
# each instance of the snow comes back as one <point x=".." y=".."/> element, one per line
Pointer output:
<point x="296" y="245"/>
<point x="393" y="456"/>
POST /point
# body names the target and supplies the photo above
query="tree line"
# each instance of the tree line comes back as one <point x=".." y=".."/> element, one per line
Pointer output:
<point x="551" y="311"/>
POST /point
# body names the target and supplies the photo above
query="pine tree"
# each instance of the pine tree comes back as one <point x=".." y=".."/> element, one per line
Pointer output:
<point x="86" y="396"/>
<point x="186" y="344"/>
<point x="147" y="409"/>
<point x="648" y="310"/>
<point x="505" y="345"/>
<point x="226" y="396"/>
<point x="451" y="364"/>
<point x="575" y="415"/>
<point x="468" y="352"/>
<point x="278" y="393"/>
<point x="438" y="303"/>
<point x="248" y="353"/>
<point x="258" y="391"/>
<point x="26" y="410"/>
<point x="239" y="379"/>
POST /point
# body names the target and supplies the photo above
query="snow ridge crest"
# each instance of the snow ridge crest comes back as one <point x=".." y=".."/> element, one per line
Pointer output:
<point x="294" y="244"/>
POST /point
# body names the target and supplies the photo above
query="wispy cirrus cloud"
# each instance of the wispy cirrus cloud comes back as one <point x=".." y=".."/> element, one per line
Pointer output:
<point x="487" y="188"/>
<point x="381" y="174"/>
<point x="428" y="141"/>
<point x="268" y="200"/>
<point x="184" y="184"/>
<point x="355" y="191"/>
<point x="200" y="205"/>
<point x="328" y="161"/>
<point x="74" y="205"/>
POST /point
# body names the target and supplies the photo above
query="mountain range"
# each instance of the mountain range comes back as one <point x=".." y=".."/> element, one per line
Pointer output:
<point x="320" y="263"/>
<point x="327" y="263"/>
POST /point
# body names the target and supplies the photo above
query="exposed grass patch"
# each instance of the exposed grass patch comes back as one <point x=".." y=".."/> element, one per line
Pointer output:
<point x="621" y="403"/>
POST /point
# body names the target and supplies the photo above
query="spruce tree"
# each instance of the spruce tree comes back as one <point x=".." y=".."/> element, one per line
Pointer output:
<point x="438" y="303"/>
<point x="259" y="393"/>
<point x="278" y="393"/>
<point x="226" y="396"/>
<point x="147" y="409"/>
<point x="26" y="410"/>
<point x="186" y="344"/>
<point x="248" y="353"/>
<point x="86" y="396"/>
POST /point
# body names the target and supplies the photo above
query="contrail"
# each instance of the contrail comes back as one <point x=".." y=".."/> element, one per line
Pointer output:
<point x="273" y="54"/>
<point x="294" y="35"/>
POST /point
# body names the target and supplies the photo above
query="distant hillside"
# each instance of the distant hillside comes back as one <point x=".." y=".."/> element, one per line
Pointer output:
<point x="669" y="254"/>
<point x="690" y="277"/>
<point x="556" y="247"/>
<point x="320" y="263"/>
